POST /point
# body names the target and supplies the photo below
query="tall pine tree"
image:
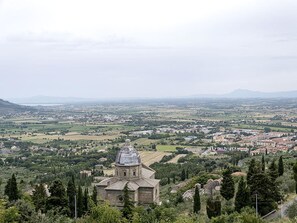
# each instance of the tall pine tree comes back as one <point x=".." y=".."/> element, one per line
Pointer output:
<point x="272" y="171"/>
<point x="94" y="195"/>
<point x="128" y="204"/>
<point x="11" y="189"/>
<point x="183" y="175"/>
<point x="197" y="202"/>
<point x="86" y="201"/>
<point x="80" y="204"/>
<point x="71" y="193"/>
<point x="58" y="198"/>
<point x="213" y="207"/>
<point x="261" y="185"/>
<point x="227" y="187"/>
<point x="39" y="197"/>
<point x="263" y="163"/>
<point x="280" y="166"/>
<point x="242" y="198"/>
<point x="252" y="171"/>
<point x="295" y="175"/>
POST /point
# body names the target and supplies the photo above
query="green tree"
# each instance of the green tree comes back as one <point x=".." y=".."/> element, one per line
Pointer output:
<point x="39" y="197"/>
<point x="128" y="204"/>
<point x="263" y="163"/>
<point x="242" y="198"/>
<point x="295" y="175"/>
<point x="86" y="201"/>
<point x="261" y="185"/>
<point x="213" y="207"/>
<point x="267" y="129"/>
<point x="11" y="189"/>
<point x="94" y="195"/>
<point x="25" y="209"/>
<point x="291" y="211"/>
<point x="183" y="175"/>
<point x="246" y="216"/>
<point x="253" y="169"/>
<point x="272" y="171"/>
<point x="227" y="187"/>
<point x="273" y="174"/>
<point x="71" y="193"/>
<point x="80" y="204"/>
<point x="58" y="199"/>
<point x="197" y="202"/>
<point x="104" y="214"/>
<point x="280" y="166"/>
<point x="8" y="215"/>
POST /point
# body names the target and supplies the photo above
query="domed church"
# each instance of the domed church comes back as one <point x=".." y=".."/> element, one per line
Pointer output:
<point x="143" y="187"/>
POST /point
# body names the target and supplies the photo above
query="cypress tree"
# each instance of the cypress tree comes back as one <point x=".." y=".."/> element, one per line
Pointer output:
<point x="263" y="163"/>
<point x="71" y="193"/>
<point x="80" y="205"/>
<point x="251" y="171"/>
<point x="280" y="166"/>
<point x="183" y="175"/>
<point x="39" y="197"/>
<point x="242" y="198"/>
<point x="197" y="203"/>
<point x="86" y="201"/>
<point x="254" y="168"/>
<point x="227" y="187"/>
<point x="272" y="170"/>
<point x="262" y="185"/>
<point x="213" y="207"/>
<point x="11" y="189"/>
<point x="58" y="198"/>
<point x="295" y="175"/>
<point x="187" y="174"/>
<point x="168" y="180"/>
<point x="94" y="195"/>
<point x="128" y="204"/>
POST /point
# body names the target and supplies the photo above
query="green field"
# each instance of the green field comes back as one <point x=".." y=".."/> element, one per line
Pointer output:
<point x="167" y="148"/>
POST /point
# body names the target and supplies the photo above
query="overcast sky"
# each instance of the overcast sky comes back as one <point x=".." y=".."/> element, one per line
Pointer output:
<point x="152" y="48"/>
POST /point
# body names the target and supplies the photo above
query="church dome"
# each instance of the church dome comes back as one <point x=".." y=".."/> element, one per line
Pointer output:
<point x="128" y="155"/>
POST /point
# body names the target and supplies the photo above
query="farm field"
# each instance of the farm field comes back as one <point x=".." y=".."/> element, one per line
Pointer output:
<point x="166" y="148"/>
<point x="69" y="136"/>
<point x="175" y="159"/>
<point x="150" y="157"/>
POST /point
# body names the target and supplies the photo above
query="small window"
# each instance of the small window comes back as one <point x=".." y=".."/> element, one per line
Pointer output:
<point x="125" y="174"/>
<point x="134" y="173"/>
<point x="120" y="197"/>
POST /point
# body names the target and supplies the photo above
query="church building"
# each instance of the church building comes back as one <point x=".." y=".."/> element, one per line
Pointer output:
<point x="143" y="187"/>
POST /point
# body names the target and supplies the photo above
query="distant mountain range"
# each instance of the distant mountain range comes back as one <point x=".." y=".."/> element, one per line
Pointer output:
<point x="50" y="100"/>
<point x="8" y="107"/>
<point x="244" y="93"/>
<point x="239" y="93"/>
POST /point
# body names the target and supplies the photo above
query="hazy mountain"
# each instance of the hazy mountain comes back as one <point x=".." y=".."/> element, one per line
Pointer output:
<point x="244" y="93"/>
<point x="50" y="100"/>
<point x="8" y="107"/>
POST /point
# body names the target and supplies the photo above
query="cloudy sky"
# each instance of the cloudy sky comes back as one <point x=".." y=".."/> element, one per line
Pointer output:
<point x="152" y="48"/>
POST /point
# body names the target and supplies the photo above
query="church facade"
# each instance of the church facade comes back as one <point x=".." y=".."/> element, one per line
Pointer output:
<point x="143" y="187"/>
